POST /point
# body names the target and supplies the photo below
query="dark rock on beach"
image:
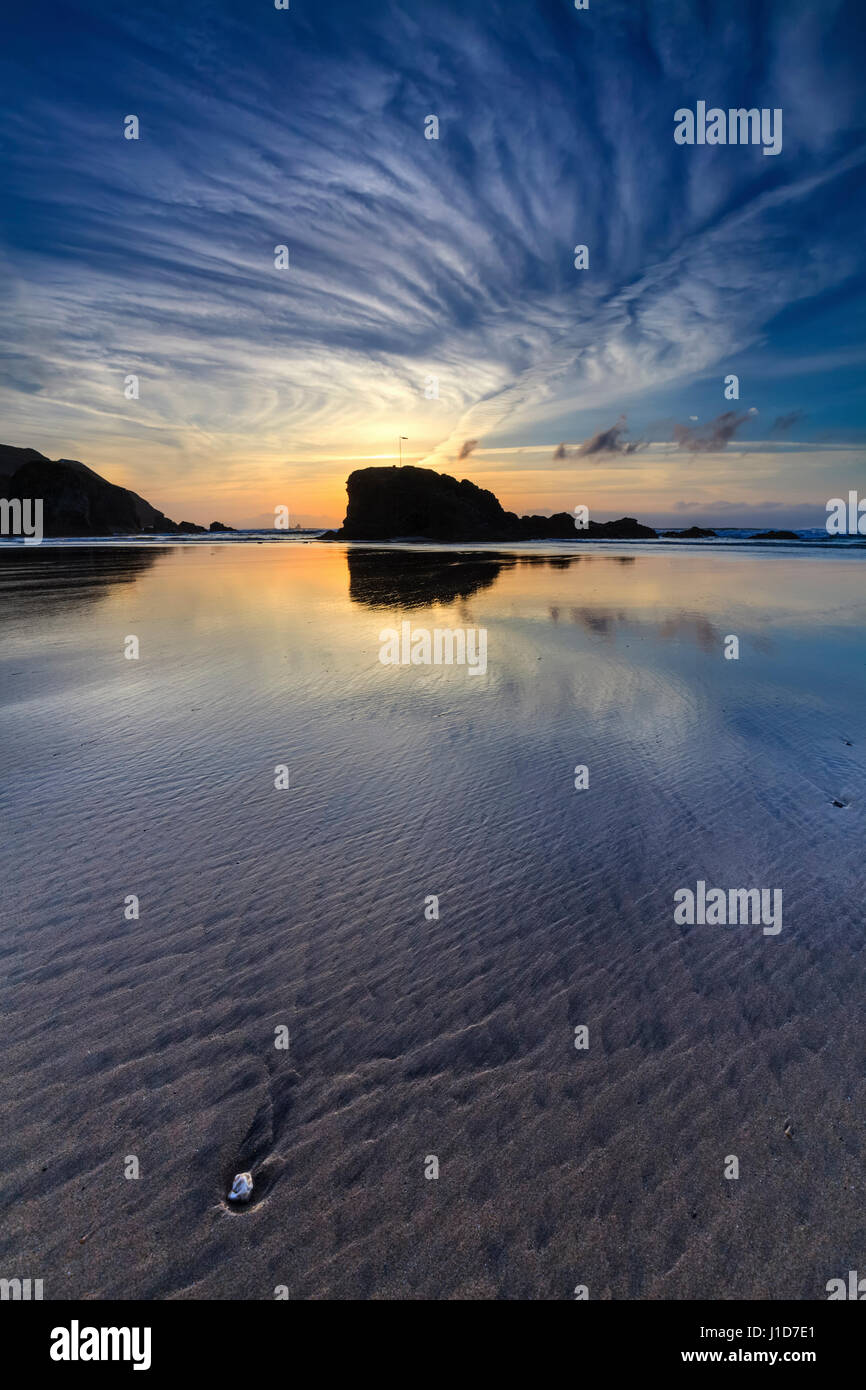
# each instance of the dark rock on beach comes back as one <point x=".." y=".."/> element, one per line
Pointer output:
<point x="693" y="533"/>
<point x="419" y="504"/>
<point x="775" y="536"/>
<point x="78" y="502"/>
<point x="75" y="500"/>
<point x="627" y="528"/>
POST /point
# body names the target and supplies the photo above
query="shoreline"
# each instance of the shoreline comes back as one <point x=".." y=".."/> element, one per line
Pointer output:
<point x="556" y="546"/>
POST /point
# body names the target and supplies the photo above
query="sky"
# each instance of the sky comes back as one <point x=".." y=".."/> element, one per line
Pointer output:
<point x="431" y="291"/>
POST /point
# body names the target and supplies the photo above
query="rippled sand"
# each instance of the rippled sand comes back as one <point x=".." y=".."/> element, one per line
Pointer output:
<point x="154" y="1038"/>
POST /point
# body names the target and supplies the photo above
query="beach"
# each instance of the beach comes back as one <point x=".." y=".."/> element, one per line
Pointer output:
<point x="303" y="911"/>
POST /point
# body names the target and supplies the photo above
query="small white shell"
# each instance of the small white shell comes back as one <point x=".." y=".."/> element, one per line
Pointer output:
<point x="242" y="1188"/>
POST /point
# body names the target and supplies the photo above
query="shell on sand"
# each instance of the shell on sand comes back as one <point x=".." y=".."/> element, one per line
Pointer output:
<point x="241" y="1188"/>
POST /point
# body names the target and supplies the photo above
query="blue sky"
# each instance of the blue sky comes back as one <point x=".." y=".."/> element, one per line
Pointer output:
<point x="452" y="258"/>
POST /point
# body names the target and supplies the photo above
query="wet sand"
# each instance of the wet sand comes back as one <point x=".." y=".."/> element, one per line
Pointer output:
<point x="409" y="1038"/>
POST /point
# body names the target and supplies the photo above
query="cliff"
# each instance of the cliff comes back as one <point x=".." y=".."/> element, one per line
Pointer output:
<point x="78" y="502"/>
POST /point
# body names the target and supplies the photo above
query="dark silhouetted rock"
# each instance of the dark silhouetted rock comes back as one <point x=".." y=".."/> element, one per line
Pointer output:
<point x="775" y="536"/>
<point x="693" y="533"/>
<point x="78" y="502"/>
<point x="75" y="500"/>
<point x="11" y="459"/>
<point x="626" y="529"/>
<point x="418" y="504"/>
<point x="385" y="503"/>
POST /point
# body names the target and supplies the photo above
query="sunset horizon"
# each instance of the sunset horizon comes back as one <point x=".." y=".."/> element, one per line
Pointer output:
<point x="233" y="299"/>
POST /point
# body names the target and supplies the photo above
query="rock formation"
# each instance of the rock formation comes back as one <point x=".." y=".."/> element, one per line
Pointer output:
<point x="416" y="503"/>
<point x="78" y="502"/>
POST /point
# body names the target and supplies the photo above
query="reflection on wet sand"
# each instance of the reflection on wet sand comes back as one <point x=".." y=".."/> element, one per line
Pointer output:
<point x="603" y="623"/>
<point x="417" y="578"/>
<point x="42" y="578"/>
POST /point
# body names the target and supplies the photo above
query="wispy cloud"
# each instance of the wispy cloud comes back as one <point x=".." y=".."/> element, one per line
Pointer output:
<point x="408" y="257"/>
<point x="783" y="423"/>
<point x="710" y="437"/>
<point x="609" y="441"/>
